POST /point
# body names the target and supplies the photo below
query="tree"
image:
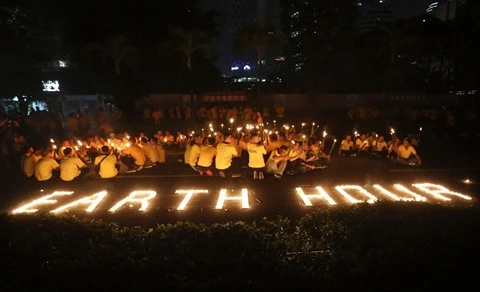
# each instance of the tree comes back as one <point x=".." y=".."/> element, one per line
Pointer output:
<point x="189" y="43"/>
<point x="116" y="48"/>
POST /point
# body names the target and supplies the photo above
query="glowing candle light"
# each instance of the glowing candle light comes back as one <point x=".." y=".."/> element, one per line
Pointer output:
<point x="52" y="141"/>
<point x="141" y="197"/>
<point x="333" y="145"/>
<point x="223" y="197"/>
<point x="438" y="191"/>
<point x="188" y="196"/>
<point x="93" y="201"/>
<point x="45" y="200"/>
<point x="79" y="143"/>
<point x="322" y="195"/>
<point x="343" y="191"/>
<point x="387" y="193"/>
<point x="127" y="144"/>
<point x="416" y="196"/>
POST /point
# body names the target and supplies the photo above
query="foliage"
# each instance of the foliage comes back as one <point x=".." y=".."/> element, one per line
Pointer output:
<point x="381" y="247"/>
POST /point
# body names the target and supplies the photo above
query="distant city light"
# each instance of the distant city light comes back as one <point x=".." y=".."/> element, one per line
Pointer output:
<point x="51" y="86"/>
<point x="246" y="68"/>
<point x="235" y="68"/>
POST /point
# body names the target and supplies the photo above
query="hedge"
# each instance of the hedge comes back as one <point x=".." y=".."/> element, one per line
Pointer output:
<point x="387" y="247"/>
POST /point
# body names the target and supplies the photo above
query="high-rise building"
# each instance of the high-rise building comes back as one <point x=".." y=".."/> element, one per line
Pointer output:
<point x="444" y="9"/>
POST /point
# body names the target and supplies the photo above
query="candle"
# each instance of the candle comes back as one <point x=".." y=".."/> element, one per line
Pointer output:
<point x="331" y="149"/>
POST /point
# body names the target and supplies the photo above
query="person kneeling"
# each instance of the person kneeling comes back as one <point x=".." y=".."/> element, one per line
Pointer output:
<point x="256" y="150"/>
<point x="407" y="155"/>
<point x="205" y="160"/>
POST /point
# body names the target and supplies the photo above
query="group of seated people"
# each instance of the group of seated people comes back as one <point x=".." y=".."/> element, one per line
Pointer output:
<point x="222" y="153"/>
<point x="274" y="154"/>
<point x="399" y="151"/>
<point x="111" y="156"/>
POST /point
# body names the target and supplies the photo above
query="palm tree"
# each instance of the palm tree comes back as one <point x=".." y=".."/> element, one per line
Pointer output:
<point x="116" y="48"/>
<point x="256" y="37"/>
<point x="189" y="43"/>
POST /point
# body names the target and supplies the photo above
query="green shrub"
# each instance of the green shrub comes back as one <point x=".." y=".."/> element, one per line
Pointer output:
<point x="381" y="247"/>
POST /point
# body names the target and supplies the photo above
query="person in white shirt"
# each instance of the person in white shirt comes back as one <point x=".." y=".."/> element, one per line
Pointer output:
<point x="407" y="155"/>
<point x="107" y="164"/>
<point x="71" y="167"/>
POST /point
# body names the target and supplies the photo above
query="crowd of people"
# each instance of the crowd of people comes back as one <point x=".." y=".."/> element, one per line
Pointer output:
<point x="264" y="150"/>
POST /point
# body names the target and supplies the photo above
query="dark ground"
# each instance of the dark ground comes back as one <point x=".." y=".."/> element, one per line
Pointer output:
<point x="445" y="164"/>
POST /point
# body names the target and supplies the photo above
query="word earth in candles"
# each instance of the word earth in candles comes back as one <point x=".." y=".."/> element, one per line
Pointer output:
<point x="352" y="194"/>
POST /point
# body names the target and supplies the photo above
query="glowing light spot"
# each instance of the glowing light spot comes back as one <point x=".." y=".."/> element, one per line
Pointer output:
<point x="467" y="181"/>
<point x="188" y="195"/>
<point x="416" y="196"/>
<point x="223" y="197"/>
<point x="322" y="195"/>
<point x="45" y="200"/>
<point x="387" y="193"/>
<point x="342" y="190"/>
<point x="141" y="197"/>
<point x="93" y="201"/>
<point x="438" y="190"/>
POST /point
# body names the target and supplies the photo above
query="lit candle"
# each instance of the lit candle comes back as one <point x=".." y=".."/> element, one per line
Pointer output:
<point x="331" y="149"/>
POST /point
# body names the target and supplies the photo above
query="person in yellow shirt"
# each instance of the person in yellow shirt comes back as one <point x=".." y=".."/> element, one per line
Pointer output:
<point x="393" y="149"/>
<point x="296" y="156"/>
<point x="380" y="147"/>
<point x="71" y="166"/>
<point x="277" y="162"/>
<point x="205" y="160"/>
<point x="133" y="157"/>
<point x="195" y="152"/>
<point x="159" y="149"/>
<point x="46" y="166"/>
<point x="346" y="147"/>
<point x="107" y="163"/>
<point x="150" y="153"/>
<point x="225" y="154"/>
<point x="31" y="161"/>
<point x="256" y="150"/>
<point x="407" y="155"/>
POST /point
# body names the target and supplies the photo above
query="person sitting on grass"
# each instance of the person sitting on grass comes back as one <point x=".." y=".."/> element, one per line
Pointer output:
<point x="151" y="154"/>
<point x="346" y="147"/>
<point x="45" y="167"/>
<point x="71" y="167"/>
<point x="31" y="161"/>
<point x="205" y="160"/>
<point x="393" y="149"/>
<point x="361" y="145"/>
<point x="107" y="163"/>
<point x="158" y="148"/>
<point x="380" y="147"/>
<point x="277" y="162"/>
<point x="407" y="155"/>
<point x="195" y="152"/>
<point x="133" y="156"/>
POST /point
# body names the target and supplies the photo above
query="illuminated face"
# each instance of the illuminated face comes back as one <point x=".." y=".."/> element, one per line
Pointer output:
<point x="348" y="138"/>
<point x="406" y="143"/>
<point x="381" y="138"/>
